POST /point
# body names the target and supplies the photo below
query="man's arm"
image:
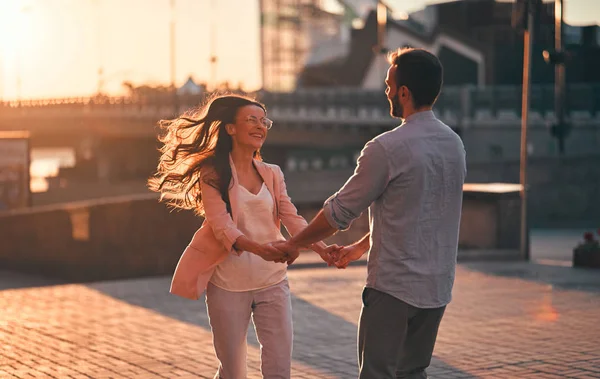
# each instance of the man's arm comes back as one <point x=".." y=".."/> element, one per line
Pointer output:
<point x="318" y="229"/>
<point x="370" y="179"/>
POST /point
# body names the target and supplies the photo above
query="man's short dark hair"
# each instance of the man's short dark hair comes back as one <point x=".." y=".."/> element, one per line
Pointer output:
<point x="421" y="72"/>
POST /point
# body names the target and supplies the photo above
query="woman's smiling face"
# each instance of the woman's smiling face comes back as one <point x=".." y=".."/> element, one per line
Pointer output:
<point x="250" y="128"/>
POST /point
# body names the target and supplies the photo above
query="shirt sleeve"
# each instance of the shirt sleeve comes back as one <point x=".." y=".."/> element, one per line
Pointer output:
<point x="368" y="182"/>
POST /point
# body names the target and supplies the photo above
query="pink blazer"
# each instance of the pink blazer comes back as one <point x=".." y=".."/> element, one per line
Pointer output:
<point x="211" y="244"/>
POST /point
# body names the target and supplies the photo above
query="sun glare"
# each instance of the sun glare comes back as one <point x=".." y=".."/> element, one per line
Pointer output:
<point x="15" y="28"/>
<point x="14" y="24"/>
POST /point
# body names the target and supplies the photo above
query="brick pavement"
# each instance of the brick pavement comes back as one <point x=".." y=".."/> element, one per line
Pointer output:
<point x="507" y="320"/>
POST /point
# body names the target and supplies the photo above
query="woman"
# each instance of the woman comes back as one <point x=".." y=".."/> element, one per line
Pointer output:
<point x="212" y="164"/>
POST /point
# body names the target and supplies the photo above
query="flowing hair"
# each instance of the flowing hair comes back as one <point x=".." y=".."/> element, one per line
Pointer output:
<point x="196" y="147"/>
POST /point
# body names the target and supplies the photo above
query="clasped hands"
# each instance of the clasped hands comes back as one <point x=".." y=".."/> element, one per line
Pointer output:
<point x="333" y="255"/>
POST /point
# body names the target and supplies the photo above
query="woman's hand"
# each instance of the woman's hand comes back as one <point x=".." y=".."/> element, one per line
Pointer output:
<point x="290" y="251"/>
<point x="348" y="254"/>
<point x="270" y="253"/>
<point x="327" y="252"/>
<point x="266" y="251"/>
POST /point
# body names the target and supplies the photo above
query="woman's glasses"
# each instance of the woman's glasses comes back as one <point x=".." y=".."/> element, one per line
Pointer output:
<point x="252" y="120"/>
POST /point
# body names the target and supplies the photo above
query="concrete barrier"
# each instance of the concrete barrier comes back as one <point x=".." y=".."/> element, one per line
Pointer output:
<point x="112" y="238"/>
<point x="134" y="236"/>
<point x="490" y="223"/>
<point x="489" y="228"/>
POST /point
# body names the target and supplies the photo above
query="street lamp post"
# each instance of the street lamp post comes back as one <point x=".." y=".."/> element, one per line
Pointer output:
<point x="381" y="34"/>
<point x="172" y="43"/>
<point x="100" y="70"/>
<point x="381" y="24"/>
<point x="528" y="41"/>
<point x="559" y="57"/>
<point x="24" y="10"/>
<point x="213" y="46"/>
<point x="172" y="57"/>
<point x="559" y="80"/>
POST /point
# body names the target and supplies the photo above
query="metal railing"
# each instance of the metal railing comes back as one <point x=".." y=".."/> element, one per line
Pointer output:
<point x="465" y="102"/>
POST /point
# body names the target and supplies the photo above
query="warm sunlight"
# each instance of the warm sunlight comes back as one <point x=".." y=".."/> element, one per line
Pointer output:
<point x="12" y="24"/>
<point x="58" y="48"/>
<point x="16" y="29"/>
<point x="544" y="309"/>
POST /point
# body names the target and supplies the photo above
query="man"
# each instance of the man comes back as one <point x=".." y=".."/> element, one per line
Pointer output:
<point x="411" y="180"/>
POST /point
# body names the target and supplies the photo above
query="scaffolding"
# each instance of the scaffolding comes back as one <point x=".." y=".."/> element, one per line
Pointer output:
<point x="286" y="40"/>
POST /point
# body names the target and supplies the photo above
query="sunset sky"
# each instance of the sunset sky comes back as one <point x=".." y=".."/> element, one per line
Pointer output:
<point x="56" y="46"/>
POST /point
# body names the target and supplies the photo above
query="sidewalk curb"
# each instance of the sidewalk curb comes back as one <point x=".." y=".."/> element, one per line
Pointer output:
<point x="321" y="264"/>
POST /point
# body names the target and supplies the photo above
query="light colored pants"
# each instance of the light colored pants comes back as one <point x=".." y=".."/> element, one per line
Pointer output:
<point x="271" y="311"/>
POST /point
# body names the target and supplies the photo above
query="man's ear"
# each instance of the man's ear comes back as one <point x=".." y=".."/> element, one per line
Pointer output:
<point x="404" y="91"/>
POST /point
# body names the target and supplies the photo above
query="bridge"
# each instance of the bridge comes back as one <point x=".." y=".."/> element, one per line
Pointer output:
<point x="488" y="120"/>
<point x="319" y="132"/>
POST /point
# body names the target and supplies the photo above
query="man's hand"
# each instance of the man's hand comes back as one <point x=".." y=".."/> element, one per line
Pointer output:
<point x="291" y="251"/>
<point x="348" y="254"/>
<point x="270" y="253"/>
<point x="327" y="253"/>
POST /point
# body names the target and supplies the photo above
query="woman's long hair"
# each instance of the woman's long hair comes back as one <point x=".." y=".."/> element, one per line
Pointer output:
<point x="197" y="142"/>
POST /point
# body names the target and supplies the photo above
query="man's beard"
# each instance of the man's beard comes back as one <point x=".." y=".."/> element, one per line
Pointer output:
<point x="396" y="108"/>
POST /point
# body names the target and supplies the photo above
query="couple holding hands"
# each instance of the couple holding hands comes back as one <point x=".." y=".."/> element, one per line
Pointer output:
<point x="409" y="178"/>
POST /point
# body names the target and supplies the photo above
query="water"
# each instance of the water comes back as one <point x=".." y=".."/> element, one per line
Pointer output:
<point x="45" y="163"/>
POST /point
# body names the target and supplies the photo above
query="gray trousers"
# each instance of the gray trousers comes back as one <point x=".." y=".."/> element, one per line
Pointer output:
<point x="395" y="339"/>
<point x="271" y="312"/>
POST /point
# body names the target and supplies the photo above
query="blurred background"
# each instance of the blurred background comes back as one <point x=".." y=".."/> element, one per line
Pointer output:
<point x="84" y="82"/>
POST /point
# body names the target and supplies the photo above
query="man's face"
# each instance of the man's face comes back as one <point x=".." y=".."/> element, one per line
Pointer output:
<point x="396" y="109"/>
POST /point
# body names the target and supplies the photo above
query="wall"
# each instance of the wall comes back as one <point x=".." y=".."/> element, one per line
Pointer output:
<point x="489" y="227"/>
<point x="136" y="236"/>
<point x="114" y="238"/>
<point x="562" y="191"/>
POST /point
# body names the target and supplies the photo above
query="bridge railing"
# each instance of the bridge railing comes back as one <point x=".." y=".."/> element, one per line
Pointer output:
<point x="454" y="103"/>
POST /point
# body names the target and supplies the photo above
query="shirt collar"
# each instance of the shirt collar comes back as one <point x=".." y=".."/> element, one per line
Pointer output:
<point x="420" y="116"/>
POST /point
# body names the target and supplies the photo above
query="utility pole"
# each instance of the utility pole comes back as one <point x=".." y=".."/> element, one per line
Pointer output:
<point x="559" y="76"/>
<point x="172" y="42"/>
<point x="213" y="45"/>
<point x="558" y="57"/>
<point x="100" y="70"/>
<point x="172" y="57"/>
<point x="19" y="50"/>
<point x="381" y="34"/>
<point x="1" y="80"/>
<point x="528" y="41"/>
<point x="381" y="24"/>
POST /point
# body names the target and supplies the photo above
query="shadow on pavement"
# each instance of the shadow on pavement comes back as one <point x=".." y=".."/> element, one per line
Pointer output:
<point x="313" y="326"/>
<point x="15" y="280"/>
<point x="322" y="340"/>
<point x="567" y="278"/>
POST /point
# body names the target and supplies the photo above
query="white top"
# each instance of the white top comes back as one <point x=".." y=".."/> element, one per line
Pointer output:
<point x="248" y="271"/>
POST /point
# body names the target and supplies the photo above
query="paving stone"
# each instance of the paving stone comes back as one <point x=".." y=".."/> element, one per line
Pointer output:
<point x="507" y="320"/>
